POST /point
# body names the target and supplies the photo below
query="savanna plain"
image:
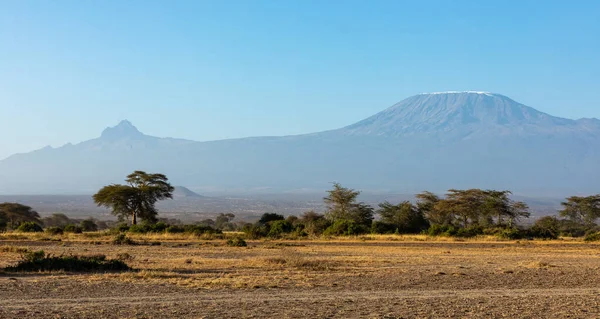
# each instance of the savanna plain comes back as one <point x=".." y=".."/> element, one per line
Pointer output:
<point x="373" y="276"/>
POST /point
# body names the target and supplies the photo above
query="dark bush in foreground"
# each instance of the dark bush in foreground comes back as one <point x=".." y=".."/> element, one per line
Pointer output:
<point x="30" y="227"/>
<point x="39" y="261"/>
<point x="237" y="242"/>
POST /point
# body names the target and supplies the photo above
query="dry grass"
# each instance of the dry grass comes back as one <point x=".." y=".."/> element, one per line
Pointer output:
<point x="192" y="261"/>
<point x="357" y="272"/>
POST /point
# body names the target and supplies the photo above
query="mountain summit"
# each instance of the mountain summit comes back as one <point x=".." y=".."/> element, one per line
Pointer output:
<point x="432" y="141"/>
<point x="122" y="130"/>
<point x="456" y="113"/>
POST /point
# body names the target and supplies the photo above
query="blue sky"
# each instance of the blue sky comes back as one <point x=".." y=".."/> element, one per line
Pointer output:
<point x="208" y="70"/>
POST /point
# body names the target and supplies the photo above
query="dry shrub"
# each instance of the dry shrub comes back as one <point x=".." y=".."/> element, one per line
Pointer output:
<point x="538" y="265"/>
<point x="13" y="249"/>
<point x="297" y="260"/>
<point x="125" y="257"/>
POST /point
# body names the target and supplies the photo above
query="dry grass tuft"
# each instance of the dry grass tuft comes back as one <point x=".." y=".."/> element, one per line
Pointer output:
<point x="297" y="260"/>
<point x="13" y="249"/>
<point x="538" y="265"/>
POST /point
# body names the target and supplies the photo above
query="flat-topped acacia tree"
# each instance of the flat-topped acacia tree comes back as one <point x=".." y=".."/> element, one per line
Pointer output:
<point x="137" y="198"/>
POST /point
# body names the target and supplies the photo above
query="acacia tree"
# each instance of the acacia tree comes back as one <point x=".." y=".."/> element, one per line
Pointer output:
<point x="13" y="214"/>
<point x="405" y="217"/>
<point x="472" y="207"/>
<point x="583" y="210"/>
<point x="137" y="198"/>
<point x="342" y="204"/>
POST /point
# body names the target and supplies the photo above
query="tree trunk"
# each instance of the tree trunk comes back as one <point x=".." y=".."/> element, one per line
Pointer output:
<point x="133" y="218"/>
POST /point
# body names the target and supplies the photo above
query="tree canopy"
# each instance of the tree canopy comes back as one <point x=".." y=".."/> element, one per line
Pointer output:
<point x="137" y="198"/>
<point x="13" y="214"/>
<point x="583" y="210"/>
<point x="342" y="204"/>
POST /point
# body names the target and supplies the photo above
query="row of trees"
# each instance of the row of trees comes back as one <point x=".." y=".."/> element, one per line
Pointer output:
<point x="18" y="216"/>
<point x="474" y="210"/>
<point x="459" y="208"/>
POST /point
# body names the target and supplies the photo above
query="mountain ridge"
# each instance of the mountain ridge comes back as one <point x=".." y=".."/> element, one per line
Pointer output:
<point x="428" y="141"/>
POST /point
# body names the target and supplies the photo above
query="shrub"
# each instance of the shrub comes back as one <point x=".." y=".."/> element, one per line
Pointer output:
<point x="379" y="227"/>
<point x="345" y="227"/>
<point x="236" y="242"/>
<point x="139" y="229"/>
<point x="88" y="225"/>
<point x="200" y="229"/>
<point x="122" y="227"/>
<point x="537" y="231"/>
<point x="73" y="229"/>
<point x="441" y="230"/>
<point x="254" y="231"/>
<point x="174" y="229"/>
<point x="122" y="239"/>
<point x="470" y="231"/>
<point x="592" y="236"/>
<point x="124" y="256"/>
<point x="54" y="230"/>
<point x="511" y="233"/>
<point x="159" y="227"/>
<point x="30" y="227"/>
<point x="39" y="261"/>
<point x="267" y="218"/>
<point x="279" y="227"/>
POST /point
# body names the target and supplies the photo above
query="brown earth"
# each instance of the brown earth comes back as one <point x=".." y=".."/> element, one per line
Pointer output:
<point x="369" y="277"/>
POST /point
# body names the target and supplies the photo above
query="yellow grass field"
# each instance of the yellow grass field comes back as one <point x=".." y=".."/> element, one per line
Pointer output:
<point x="183" y="276"/>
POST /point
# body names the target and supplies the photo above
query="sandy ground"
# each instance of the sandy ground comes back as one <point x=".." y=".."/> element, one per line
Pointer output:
<point x="314" y="279"/>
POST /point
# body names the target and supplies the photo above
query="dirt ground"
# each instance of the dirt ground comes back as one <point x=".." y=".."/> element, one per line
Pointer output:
<point x="380" y="277"/>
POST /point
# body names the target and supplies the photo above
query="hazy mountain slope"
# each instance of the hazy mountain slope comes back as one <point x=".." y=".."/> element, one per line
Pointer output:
<point x="428" y="141"/>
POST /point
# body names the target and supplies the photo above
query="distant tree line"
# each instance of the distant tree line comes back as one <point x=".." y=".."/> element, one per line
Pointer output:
<point x="463" y="213"/>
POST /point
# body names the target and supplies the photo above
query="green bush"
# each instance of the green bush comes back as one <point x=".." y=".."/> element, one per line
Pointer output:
<point x="254" y="231"/>
<point x="279" y="227"/>
<point x="469" y="232"/>
<point x="88" y="225"/>
<point x="200" y="229"/>
<point x="138" y="229"/>
<point x="537" y="231"/>
<point x="122" y="239"/>
<point x="267" y="218"/>
<point x="54" y="230"/>
<point x="173" y="229"/>
<point x="159" y="227"/>
<point x="592" y="236"/>
<point x="345" y="227"/>
<point x="236" y="242"/>
<point x="30" y="227"/>
<point x="441" y="230"/>
<point x="511" y="233"/>
<point x="39" y="261"/>
<point x="379" y="227"/>
<point x="73" y="229"/>
<point x="123" y="227"/>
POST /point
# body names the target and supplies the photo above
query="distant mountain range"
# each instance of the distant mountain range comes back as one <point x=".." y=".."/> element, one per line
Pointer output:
<point x="430" y="141"/>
